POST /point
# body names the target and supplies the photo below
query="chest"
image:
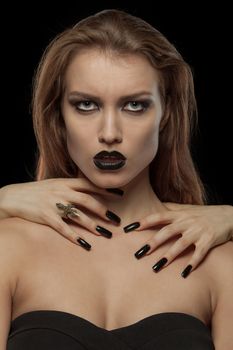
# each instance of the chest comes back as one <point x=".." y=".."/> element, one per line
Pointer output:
<point x="108" y="285"/>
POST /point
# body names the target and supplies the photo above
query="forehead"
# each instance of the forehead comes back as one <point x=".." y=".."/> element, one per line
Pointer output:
<point x="104" y="73"/>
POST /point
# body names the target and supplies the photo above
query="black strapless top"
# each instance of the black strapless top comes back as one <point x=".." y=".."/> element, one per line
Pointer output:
<point x="58" y="330"/>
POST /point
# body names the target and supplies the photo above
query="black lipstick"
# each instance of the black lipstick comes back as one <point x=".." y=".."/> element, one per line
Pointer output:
<point x="105" y="160"/>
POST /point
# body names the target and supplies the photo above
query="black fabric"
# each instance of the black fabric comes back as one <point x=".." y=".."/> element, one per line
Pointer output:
<point x="48" y="330"/>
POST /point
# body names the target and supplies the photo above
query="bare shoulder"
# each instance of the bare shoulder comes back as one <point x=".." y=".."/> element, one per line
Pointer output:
<point x="12" y="249"/>
<point x="17" y="248"/>
<point x="219" y="272"/>
<point x="221" y="256"/>
<point x="219" y="267"/>
<point x="20" y="241"/>
<point x="10" y="230"/>
<point x="19" y="238"/>
<point x="21" y="230"/>
<point x="15" y="223"/>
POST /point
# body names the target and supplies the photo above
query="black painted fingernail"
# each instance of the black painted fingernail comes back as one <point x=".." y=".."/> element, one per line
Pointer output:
<point x="142" y="251"/>
<point x="159" y="264"/>
<point x="116" y="191"/>
<point x="186" y="271"/>
<point x="106" y="233"/>
<point x="113" y="216"/>
<point x="131" y="227"/>
<point x="84" y="243"/>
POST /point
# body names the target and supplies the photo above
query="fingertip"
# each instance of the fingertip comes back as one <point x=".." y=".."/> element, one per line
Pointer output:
<point x="83" y="243"/>
<point x="187" y="271"/>
<point x="140" y="227"/>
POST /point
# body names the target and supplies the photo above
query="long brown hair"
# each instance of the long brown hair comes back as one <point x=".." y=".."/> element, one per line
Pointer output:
<point x="173" y="175"/>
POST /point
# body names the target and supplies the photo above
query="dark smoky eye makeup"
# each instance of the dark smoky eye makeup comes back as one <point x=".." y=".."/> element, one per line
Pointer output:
<point x="83" y="105"/>
<point x="136" y="106"/>
<point x="133" y="106"/>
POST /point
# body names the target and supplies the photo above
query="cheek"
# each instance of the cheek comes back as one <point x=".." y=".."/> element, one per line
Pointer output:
<point x="74" y="143"/>
<point x="148" y="141"/>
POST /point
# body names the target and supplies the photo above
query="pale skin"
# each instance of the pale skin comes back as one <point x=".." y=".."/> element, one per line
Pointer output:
<point x="204" y="227"/>
<point x="109" y="124"/>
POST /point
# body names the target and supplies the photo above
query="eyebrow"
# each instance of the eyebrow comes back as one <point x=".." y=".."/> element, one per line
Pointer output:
<point x="98" y="99"/>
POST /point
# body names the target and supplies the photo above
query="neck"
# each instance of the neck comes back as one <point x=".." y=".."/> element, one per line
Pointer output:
<point x="138" y="201"/>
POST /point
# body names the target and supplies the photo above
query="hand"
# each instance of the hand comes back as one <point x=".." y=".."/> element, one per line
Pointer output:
<point x="36" y="202"/>
<point x="204" y="226"/>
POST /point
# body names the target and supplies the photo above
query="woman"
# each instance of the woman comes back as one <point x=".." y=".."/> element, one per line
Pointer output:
<point x="112" y="102"/>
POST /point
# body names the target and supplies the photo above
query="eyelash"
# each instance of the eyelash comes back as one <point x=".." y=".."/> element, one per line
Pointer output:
<point x="144" y="103"/>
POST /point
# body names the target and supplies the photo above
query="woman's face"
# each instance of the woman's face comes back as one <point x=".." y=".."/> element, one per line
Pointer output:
<point x="111" y="103"/>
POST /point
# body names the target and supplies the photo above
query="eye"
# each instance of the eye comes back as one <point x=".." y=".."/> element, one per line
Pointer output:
<point x="85" y="106"/>
<point x="137" y="106"/>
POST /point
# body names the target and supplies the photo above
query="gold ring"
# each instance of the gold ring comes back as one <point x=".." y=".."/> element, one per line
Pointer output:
<point x="68" y="209"/>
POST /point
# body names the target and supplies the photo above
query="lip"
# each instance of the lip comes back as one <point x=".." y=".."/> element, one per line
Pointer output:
<point x="109" y="165"/>
<point x="113" y="160"/>
<point x="109" y="156"/>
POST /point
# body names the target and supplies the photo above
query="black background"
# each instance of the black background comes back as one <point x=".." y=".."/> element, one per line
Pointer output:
<point x="201" y="35"/>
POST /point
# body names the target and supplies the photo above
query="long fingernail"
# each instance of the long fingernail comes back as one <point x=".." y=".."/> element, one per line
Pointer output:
<point x="113" y="216"/>
<point x="84" y="243"/>
<point x="131" y="227"/>
<point x="186" y="271"/>
<point x="116" y="191"/>
<point x="106" y="233"/>
<point x="142" y="251"/>
<point x="159" y="264"/>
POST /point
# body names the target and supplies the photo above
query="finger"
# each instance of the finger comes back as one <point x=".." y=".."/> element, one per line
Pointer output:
<point x="163" y="235"/>
<point x="82" y="219"/>
<point x="197" y="257"/>
<point x="62" y="228"/>
<point x="155" y="220"/>
<point x="170" y="255"/>
<point x="158" y="239"/>
<point x="176" y="249"/>
<point x="92" y="204"/>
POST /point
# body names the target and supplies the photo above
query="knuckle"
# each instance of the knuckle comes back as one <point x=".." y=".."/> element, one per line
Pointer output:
<point x="209" y="237"/>
<point x="91" y="225"/>
<point x="166" y="231"/>
<point x="174" y="251"/>
<point x="200" y="250"/>
<point x="88" y="223"/>
<point x="184" y="241"/>
<point x="153" y="218"/>
<point x="195" y="260"/>
<point x="149" y="219"/>
<point x="98" y="207"/>
<point x="83" y="199"/>
<point x="154" y="240"/>
<point x="90" y="202"/>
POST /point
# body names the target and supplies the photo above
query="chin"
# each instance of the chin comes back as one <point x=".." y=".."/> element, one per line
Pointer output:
<point x="114" y="179"/>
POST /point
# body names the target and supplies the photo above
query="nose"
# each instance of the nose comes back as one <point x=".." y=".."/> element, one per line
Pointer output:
<point x="110" y="129"/>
